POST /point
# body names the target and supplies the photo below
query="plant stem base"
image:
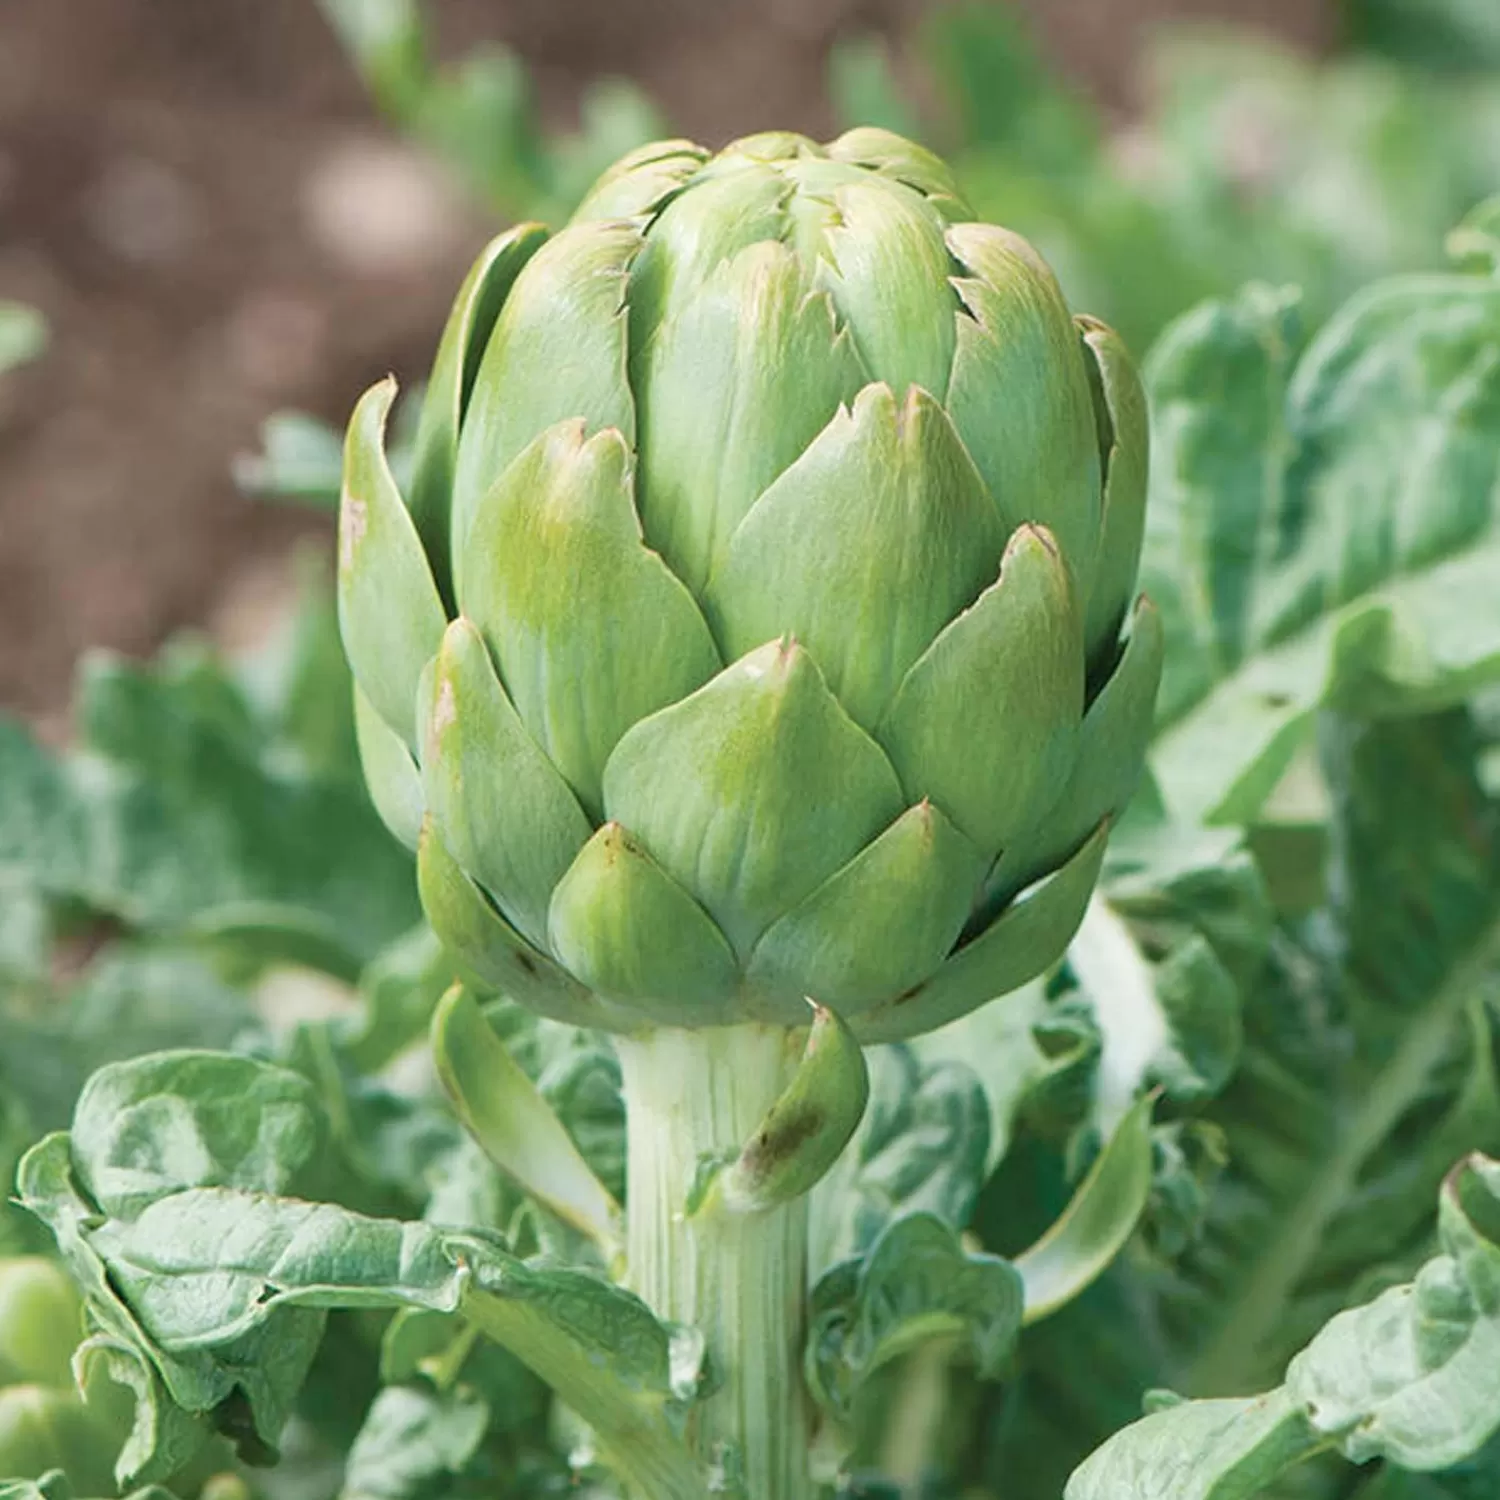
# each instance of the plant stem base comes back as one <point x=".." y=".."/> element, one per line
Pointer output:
<point x="741" y="1279"/>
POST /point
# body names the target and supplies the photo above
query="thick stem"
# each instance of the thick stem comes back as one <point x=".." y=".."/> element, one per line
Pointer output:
<point x="741" y="1279"/>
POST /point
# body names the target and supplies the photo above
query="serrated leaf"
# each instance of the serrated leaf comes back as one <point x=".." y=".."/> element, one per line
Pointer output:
<point x="413" y="1441"/>
<point x="921" y="1147"/>
<point x="1319" y="534"/>
<point x="1407" y="1377"/>
<point x="915" y="1283"/>
<point x="167" y="1204"/>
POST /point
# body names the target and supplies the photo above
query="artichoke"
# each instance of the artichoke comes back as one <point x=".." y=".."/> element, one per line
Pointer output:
<point x="44" y="1424"/>
<point x="755" y="619"/>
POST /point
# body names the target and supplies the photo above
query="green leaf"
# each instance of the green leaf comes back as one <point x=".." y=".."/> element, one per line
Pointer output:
<point x="986" y="721"/>
<point x="163" y="1438"/>
<point x="557" y="354"/>
<point x="864" y="549"/>
<point x="591" y="632"/>
<point x="182" y="814"/>
<point x="1111" y="751"/>
<point x="886" y="266"/>
<point x="640" y="182"/>
<point x="511" y="1120"/>
<point x="1028" y="937"/>
<point x="399" y="990"/>
<point x="1338" y="1136"/>
<point x="489" y="952"/>
<point x="877" y="927"/>
<point x="499" y="805"/>
<point x="1123" y="424"/>
<point x="915" y="1283"/>
<point x="922" y="1147"/>
<point x="168" y="1203"/>
<point x="390" y="773"/>
<point x="1099" y="1219"/>
<point x="300" y="458"/>
<point x="1229" y="1449"/>
<point x="739" y="380"/>
<point x="1368" y="1065"/>
<point x="806" y="1128"/>
<point x="390" y="614"/>
<point x="413" y="1440"/>
<point x="902" y="159"/>
<point x="1407" y="1377"/>
<point x="624" y="927"/>
<point x="1322" y="535"/>
<point x="454" y="370"/>
<point x="1020" y="394"/>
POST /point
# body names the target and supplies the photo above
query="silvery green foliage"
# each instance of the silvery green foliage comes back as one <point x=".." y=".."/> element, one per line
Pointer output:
<point x="205" y="803"/>
<point x="1329" y="537"/>
<point x="223" y="1341"/>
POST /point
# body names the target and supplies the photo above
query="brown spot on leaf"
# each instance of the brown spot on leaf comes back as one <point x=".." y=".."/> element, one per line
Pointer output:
<point x="774" y="1145"/>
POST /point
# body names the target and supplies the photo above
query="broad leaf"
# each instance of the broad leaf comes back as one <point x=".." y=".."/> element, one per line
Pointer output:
<point x="182" y="1204"/>
<point x="916" y="1283"/>
<point x="1322" y="529"/>
<point x="1408" y="1377"/>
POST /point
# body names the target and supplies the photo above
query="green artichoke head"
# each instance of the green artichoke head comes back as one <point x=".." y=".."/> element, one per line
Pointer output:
<point x="756" y="620"/>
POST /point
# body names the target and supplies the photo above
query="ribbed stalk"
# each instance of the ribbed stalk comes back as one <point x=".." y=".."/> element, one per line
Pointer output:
<point x="740" y="1279"/>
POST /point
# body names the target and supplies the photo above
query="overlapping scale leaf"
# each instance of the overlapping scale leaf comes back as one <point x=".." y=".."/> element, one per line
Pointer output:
<point x="739" y="381"/>
<point x="1111" y="748"/>
<point x="1020" y="395"/>
<point x="590" y="631"/>
<point x="894" y="156"/>
<point x="641" y="181"/>
<point x="864" y="549"/>
<point x="557" y="353"/>
<point x="726" y="212"/>
<point x="887" y="266"/>
<point x="394" y="782"/>
<point x="754" y="790"/>
<point x="1124" y="444"/>
<point x="497" y="803"/>
<point x="435" y="451"/>
<point x="986" y="723"/>
<point x="1029" y="936"/>
<point x="631" y="933"/>
<point x="879" y="926"/>
<point x="390" y="615"/>
<point x="489" y="952"/>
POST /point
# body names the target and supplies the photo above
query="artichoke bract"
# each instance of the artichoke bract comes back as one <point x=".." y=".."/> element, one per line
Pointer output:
<point x="755" y="621"/>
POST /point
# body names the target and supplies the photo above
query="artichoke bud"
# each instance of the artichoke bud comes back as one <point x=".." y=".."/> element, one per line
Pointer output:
<point x="752" y="627"/>
<point x="41" y="1320"/>
<point x="42" y="1429"/>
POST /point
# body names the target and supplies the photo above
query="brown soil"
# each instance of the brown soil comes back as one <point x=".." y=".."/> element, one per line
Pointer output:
<point x="180" y="191"/>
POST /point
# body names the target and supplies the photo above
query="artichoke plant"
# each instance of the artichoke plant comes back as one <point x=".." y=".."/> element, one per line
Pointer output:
<point x="755" y="623"/>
